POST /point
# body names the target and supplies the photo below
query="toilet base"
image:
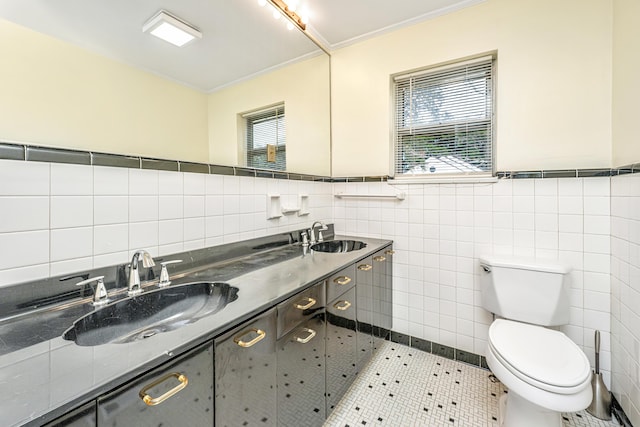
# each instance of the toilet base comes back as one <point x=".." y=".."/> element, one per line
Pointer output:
<point x="515" y="411"/>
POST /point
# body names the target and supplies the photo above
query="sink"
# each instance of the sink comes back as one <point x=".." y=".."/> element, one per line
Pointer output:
<point x="335" y="246"/>
<point x="152" y="312"/>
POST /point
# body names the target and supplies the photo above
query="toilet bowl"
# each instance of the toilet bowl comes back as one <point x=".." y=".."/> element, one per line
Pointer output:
<point x="545" y="372"/>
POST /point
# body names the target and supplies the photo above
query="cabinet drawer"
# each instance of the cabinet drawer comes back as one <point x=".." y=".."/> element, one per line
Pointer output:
<point x="300" y="307"/>
<point x="341" y="282"/>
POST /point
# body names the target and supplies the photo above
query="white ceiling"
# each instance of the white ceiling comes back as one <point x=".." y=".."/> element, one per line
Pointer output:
<point x="240" y="38"/>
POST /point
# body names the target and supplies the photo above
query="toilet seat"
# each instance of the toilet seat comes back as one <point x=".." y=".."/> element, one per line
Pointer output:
<point x="541" y="357"/>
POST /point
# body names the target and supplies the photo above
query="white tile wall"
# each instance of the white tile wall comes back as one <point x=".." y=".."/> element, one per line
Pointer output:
<point x="439" y="231"/>
<point x="58" y="218"/>
<point x="625" y="292"/>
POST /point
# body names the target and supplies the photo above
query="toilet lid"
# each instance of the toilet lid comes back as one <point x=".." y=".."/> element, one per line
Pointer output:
<point x="544" y="355"/>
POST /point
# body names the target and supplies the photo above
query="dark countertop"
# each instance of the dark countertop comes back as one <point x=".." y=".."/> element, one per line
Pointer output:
<point x="45" y="375"/>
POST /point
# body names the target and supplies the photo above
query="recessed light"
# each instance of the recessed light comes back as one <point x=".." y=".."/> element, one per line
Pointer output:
<point x="171" y="29"/>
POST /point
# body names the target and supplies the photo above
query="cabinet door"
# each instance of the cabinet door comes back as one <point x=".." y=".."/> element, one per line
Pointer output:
<point x="342" y="352"/>
<point x="245" y="366"/>
<point x="364" y="310"/>
<point x="382" y="292"/>
<point x="178" y="394"/>
<point x="84" y="416"/>
<point x="301" y="371"/>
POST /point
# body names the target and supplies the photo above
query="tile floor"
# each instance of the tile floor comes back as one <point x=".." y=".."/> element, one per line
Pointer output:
<point x="403" y="386"/>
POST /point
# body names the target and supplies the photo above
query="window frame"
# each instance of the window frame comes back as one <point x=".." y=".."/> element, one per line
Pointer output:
<point x="462" y="176"/>
<point x="248" y="146"/>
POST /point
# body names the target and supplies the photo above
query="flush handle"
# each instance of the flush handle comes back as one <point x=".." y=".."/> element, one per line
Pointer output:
<point x="486" y="268"/>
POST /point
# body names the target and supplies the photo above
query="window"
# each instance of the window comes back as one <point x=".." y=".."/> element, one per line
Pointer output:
<point x="265" y="139"/>
<point x="444" y="120"/>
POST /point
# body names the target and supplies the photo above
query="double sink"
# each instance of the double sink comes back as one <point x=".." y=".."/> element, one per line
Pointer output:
<point x="141" y="316"/>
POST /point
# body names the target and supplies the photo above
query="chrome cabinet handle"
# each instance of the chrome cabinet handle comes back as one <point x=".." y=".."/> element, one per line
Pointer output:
<point x="345" y="305"/>
<point x="364" y="267"/>
<point x="153" y="401"/>
<point x="311" y="302"/>
<point x="342" y="280"/>
<point x="309" y="337"/>
<point x="247" y="344"/>
<point x="379" y="258"/>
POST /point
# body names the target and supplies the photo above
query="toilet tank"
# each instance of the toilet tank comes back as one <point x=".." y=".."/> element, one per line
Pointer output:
<point x="526" y="290"/>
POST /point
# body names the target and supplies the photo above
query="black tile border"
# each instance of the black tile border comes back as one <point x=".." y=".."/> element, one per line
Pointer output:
<point x="193" y="167"/>
<point x="618" y="412"/>
<point x="54" y="155"/>
<point x="26" y="152"/>
<point x="440" y="350"/>
<point x="400" y="338"/>
<point x="161" y="165"/>
<point x="114" y="160"/>
<point x="34" y="153"/>
<point x="12" y="152"/>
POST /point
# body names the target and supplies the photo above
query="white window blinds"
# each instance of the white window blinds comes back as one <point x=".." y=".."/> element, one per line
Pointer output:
<point x="444" y="120"/>
<point x="265" y="139"/>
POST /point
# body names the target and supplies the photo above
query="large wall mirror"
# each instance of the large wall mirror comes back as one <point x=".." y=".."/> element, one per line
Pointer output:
<point x="83" y="75"/>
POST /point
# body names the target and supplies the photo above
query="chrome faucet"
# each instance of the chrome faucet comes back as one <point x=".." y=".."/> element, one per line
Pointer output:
<point x="312" y="233"/>
<point x="134" y="274"/>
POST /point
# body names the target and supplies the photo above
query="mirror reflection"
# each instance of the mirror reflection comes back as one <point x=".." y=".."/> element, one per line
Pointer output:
<point x="83" y="75"/>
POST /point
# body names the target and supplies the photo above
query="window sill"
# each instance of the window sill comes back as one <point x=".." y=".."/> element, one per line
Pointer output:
<point x="449" y="179"/>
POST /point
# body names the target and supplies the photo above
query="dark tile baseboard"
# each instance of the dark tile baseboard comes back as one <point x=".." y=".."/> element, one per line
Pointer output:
<point x="440" y="350"/>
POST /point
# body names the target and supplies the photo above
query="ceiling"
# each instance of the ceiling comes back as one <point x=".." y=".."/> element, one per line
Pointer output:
<point x="240" y="38"/>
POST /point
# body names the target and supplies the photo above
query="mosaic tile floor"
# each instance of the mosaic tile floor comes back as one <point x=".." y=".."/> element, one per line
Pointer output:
<point x="403" y="386"/>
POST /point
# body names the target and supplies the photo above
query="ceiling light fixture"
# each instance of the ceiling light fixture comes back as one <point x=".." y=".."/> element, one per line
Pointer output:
<point x="171" y="29"/>
<point x="289" y="14"/>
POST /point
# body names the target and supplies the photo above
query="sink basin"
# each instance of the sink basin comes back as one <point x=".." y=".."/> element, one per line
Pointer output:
<point x="336" y="246"/>
<point x="152" y="312"/>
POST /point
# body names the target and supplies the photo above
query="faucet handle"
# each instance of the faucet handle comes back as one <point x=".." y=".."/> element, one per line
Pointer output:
<point x="147" y="260"/>
<point x="305" y="239"/>
<point x="164" y="274"/>
<point x="100" y="295"/>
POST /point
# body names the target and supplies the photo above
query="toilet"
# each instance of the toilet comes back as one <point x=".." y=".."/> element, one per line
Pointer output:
<point x="545" y="372"/>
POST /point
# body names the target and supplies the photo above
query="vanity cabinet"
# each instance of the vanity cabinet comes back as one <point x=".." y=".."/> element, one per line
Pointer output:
<point x="245" y="374"/>
<point x="341" y="340"/>
<point x="288" y="366"/>
<point x="177" y="393"/>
